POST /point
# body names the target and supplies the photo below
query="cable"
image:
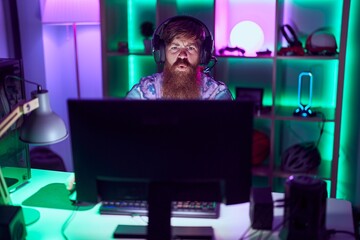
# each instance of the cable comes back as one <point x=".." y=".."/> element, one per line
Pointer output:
<point x="322" y="127"/>
<point x="333" y="232"/>
<point x="6" y="78"/>
<point x="285" y="220"/>
<point x="245" y="236"/>
<point x="67" y="221"/>
<point x="39" y="88"/>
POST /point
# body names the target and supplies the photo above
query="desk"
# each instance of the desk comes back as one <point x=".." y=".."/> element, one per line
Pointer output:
<point x="89" y="224"/>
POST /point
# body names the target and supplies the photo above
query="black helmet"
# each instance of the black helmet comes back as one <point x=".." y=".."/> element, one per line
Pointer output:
<point x="301" y="158"/>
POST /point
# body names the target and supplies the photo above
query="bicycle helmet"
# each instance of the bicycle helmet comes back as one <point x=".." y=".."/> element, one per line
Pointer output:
<point x="301" y="158"/>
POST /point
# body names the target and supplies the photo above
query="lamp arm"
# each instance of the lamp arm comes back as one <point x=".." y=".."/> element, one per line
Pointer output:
<point x="14" y="115"/>
<point x="4" y="193"/>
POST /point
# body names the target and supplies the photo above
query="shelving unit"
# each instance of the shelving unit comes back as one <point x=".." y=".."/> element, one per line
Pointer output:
<point x="277" y="75"/>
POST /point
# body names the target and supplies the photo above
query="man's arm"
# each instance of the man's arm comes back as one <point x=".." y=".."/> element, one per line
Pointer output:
<point x="224" y="95"/>
<point x="134" y="93"/>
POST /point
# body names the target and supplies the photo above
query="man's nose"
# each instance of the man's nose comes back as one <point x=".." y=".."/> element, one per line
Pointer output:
<point x="183" y="53"/>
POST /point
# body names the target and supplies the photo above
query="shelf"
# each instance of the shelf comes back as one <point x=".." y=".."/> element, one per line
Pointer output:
<point x="285" y="114"/>
<point x="305" y="58"/>
<point x="112" y="53"/>
<point x="245" y="57"/>
<point x="277" y="75"/>
<point x="261" y="171"/>
<point x="324" y="171"/>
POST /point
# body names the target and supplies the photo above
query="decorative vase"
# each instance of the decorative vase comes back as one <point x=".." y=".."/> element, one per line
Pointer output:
<point x="147" y="45"/>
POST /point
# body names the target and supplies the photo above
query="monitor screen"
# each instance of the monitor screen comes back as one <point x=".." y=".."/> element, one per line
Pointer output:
<point x="201" y="149"/>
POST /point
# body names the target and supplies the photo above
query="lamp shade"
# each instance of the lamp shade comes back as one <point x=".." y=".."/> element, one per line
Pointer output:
<point x="43" y="126"/>
<point x="70" y="11"/>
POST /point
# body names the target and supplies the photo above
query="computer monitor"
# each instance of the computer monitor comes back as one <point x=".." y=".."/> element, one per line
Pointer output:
<point x="179" y="150"/>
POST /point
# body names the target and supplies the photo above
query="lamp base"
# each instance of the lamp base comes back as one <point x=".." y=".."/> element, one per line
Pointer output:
<point x="304" y="113"/>
<point x="30" y="215"/>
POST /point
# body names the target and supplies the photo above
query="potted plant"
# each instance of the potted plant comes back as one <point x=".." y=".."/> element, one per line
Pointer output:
<point x="147" y="30"/>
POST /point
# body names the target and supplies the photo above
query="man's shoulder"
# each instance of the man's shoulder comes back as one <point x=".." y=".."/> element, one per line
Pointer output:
<point x="149" y="86"/>
<point x="146" y="88"/>
<point x="151" y="79"/>
<point x="214" y="89"/>
<point x="209" y="81"/>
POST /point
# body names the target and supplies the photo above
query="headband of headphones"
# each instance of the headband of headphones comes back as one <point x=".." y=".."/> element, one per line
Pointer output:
<point x="158" y="43"/>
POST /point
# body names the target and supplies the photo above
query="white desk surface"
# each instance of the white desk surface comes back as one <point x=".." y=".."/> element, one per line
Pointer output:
<point x="233" y="222"/>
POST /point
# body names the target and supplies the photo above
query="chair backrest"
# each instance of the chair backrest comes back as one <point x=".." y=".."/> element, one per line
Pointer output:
<point x="45" y="158"/>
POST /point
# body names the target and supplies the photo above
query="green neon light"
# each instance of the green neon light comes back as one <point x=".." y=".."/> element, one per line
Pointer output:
<point x="138" y="12"/>
<point x="131" y="66"/>
<point x="188" y="3"/>
<point x="348" y="161"/>
<point x="324" y="82"/>
<point x="130" y="21"/>
<point x="140" y="66"/>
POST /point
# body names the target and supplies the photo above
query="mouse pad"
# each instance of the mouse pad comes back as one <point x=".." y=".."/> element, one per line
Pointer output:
<point x="54" y="195"/>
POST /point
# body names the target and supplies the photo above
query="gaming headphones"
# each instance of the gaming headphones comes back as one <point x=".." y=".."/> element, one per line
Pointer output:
<point x="158" y="43"/>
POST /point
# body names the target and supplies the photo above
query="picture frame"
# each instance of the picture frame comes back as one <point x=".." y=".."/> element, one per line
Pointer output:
<point x="250" y="94"/>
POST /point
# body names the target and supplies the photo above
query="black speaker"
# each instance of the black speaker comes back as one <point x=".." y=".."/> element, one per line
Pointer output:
<point x="158" y="43"/>
<point x="261" y="208"/>
<point x="12" y="224"/>
<point x="305" y="208"/>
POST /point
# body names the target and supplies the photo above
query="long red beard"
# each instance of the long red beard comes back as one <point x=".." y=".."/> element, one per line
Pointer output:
<point x="181" y="85"/>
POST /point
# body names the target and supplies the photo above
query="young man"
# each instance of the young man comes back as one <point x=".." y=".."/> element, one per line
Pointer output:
<point x="186" y="50"/>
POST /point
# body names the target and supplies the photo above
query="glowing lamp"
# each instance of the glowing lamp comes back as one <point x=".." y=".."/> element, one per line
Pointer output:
<point x="247" y="35"/>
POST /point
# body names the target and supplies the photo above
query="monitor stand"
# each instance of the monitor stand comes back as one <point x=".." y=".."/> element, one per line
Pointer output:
<point x="161" y="194"/>
<point x="140" y="232"/>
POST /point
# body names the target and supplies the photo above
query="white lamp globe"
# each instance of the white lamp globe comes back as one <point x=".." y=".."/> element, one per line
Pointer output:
<point x="247" y="35"/>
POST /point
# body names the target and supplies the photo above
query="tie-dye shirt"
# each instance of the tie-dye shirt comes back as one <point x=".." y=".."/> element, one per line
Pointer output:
<point x="149" y="88"/>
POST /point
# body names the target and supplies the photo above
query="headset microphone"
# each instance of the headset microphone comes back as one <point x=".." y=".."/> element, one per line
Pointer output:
<point x="213" y="62"/>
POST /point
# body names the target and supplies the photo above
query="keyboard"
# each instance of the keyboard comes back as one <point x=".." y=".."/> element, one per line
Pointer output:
<point x="186" y="209"/>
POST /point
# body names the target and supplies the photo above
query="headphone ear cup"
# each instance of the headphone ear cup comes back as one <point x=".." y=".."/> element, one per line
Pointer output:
<point x="162" y="55"/>
<point x="159" y="52"/>
<point x="206" y="51"/>
<point x="158" y="49"/>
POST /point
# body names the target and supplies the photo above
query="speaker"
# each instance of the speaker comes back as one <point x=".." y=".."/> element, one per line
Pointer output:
<point x="12" y="224"/>
<point x="158" y="43"/>
<point x="305" y="208"/>
<point x="261" y="208"/>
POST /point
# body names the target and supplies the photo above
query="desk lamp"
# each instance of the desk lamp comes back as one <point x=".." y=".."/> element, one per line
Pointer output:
<point x="41" y="127"/>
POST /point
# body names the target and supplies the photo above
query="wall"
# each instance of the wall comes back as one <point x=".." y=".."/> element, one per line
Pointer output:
<point x="49" y="59"/>
<point x="3" y="36"/>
